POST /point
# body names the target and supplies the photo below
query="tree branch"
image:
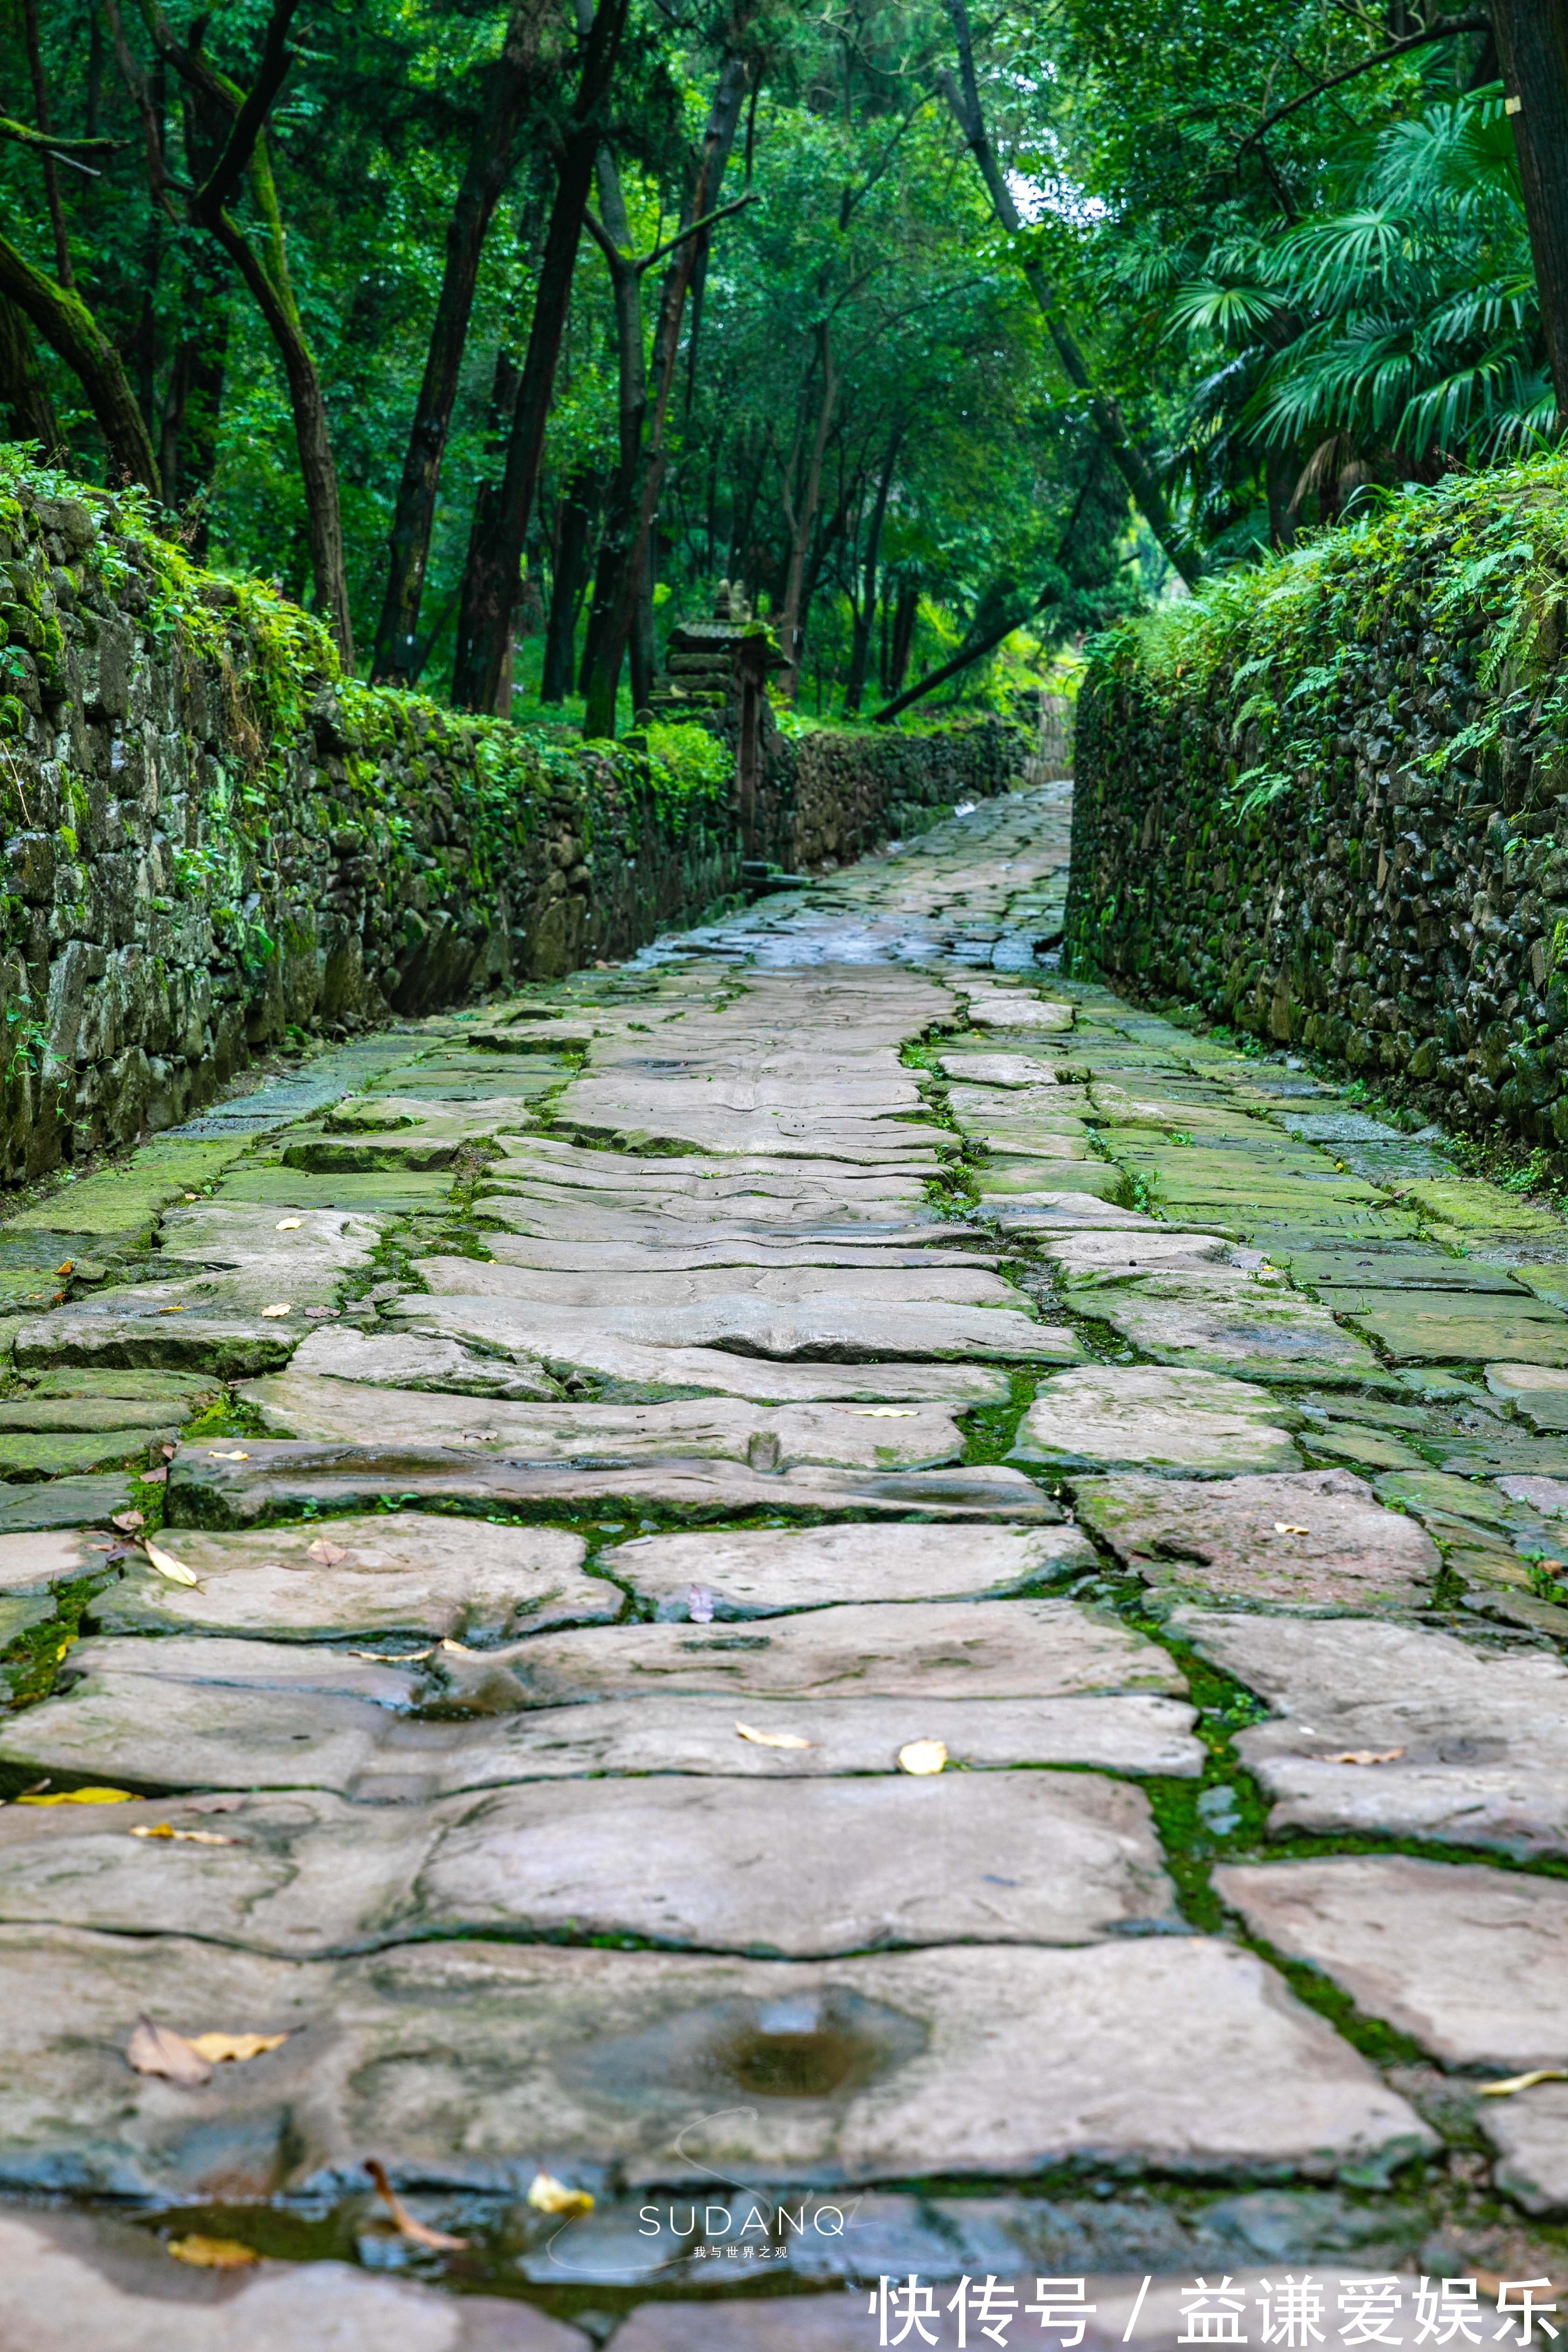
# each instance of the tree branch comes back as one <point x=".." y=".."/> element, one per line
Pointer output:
<point x="222" y="183"/>
<point x="1449" y="31"/>
<point x="694" y="228"/>
<point x="65" y="151"/>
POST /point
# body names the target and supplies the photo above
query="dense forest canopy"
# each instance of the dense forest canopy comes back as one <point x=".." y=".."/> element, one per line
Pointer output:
<point x="502" y="336"/>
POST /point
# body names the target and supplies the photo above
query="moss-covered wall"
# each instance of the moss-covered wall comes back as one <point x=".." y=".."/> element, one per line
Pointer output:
<point x="834" y="794"/>
<point x="1328" y="800"/>
<point x="211" y="834"/>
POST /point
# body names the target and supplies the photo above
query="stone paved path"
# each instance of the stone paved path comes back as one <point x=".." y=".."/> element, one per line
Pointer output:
<point x="615" y="1440"/>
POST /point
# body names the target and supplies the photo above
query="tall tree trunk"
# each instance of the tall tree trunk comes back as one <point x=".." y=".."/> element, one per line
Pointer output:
<point x="510" y="83"/>
<point x="1532" y="46"/>
<point x="29" y="410"/>
<point x="734" y="77"/>
<point x="905" y="614"/>
<point x="504" y="387"/>
<point x="63" y="269"/>
<point x="963" y="96"/>
<point x="68" y="326"/>
<point x="801" y="517"/>
<point x="579" y="504"/>
<point x="866" y="612"/>
<point x="612" y="234"/>
<point x="490" y="578"/>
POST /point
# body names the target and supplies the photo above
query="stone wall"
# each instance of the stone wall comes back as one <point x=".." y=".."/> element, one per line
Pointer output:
<point x="831" y="796"/>
<point x="1329" y="803"/>
<point x="212" y="836"/>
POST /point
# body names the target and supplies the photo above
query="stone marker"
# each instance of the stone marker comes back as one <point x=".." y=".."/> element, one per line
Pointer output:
<point x="763" y="1572"/>
<point x="1113" y="1417"/>
<point x="1474" y="1741"/>
<point x="402" y="1573"/>
<point x="801" y="1868"/>
<point x="164" y="1732"/>
<point x="1466" y="1961"/>
<point x="675" y="2066"/>
<point x="1317" y="1539"/>
<point x="75" y="2283"/>
<point x="922" y="1650"/>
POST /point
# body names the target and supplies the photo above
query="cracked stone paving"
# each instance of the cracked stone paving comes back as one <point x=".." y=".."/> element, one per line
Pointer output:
<point x="818" y="1607"/>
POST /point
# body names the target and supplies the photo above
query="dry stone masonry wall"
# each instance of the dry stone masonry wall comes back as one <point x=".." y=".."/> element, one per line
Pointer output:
<point x="1329" y="803"/>
<point x="212" y="836"/>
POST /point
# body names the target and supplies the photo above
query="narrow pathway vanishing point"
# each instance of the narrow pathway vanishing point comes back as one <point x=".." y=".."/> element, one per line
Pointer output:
<point x="617" y="1439"/>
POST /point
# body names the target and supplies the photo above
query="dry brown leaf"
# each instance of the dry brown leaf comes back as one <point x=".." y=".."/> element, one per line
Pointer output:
<point x="239" y="2047"/>
<point x="79" y="1797"/>
<point x="212" y="2254"/>
<point x="214" y="1456"/>
<point x="284" y="1307"/>
<point x="921" y="1757"/>
<point x="772" y="1739"/>
<point x="548" y="2195"/>
<point x="438" y="2240"/>
<point x="290" y="1224"/>
<point x="1512" y="2083"/>
<point x="182" y="1837"/>
<point x="159" y="2050"/>
<point x="156" y="1477"/>
<point x="129" y="1520"/>
<point x="1366" y="1756"/>
<point x="329" y="1554"/>
<point x="1286" y="1528"/>
<point x="168" y="1451"/>
<point x="166" y="1564"/>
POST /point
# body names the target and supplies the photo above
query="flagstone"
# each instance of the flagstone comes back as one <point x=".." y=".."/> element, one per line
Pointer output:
<point x="765" y="1572"/>
<point x="398" y="1360"/>
<point x="81" y="2282"/>
<point x="917" y="1285"/>
<point x="133" y="1333"/>
<point x="293" y="1405"/>
<point x="403" y="1572"/>
<point x="235" y="1486"/>
<point x="1466" y="1959"/>
<point x="63" y="1503"/>
<point x="1538" y="1394"/>
<point x="1474" y="1739"/>
<point x="577" y="1344"/>
<point x="47" y="1455"/>
<point x="1010" y="1069"/>
<point x="800" y="1869"/>
<point x="1460" y="1326"/>
<point x="1314" y="1538"/>
<point x="1112" y="1417"/>
<point x="1238" y="1324"/>
<point x="177" y="1731"/>
<point x="922" y="1650"/>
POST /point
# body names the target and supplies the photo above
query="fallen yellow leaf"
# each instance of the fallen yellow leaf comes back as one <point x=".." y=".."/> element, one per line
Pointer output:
<point x="1366" y="1756"/>
<point x="239" y="2047"/>
<point x="68" y="1267"/>
<point x="1284" y="1528"/>
<point x="82" y="1797"/>
<point x="172" y="1310"/>
<point x="182" y="1837"/>
<point x="226" y="1457"/>
<point x="166" y="1564"/>
<point x="329" y="1554"/>
<point x="1512" y="2083"/>
<point x="440" y="2241"/>
<point x="212" y="2253"/>
<point x="290" y="1224"/>
<point x="548" y="2195"/>
<point x="159" y="2050"/>
<point x="922" y="1756"/>
<point x="285" y="1309"/>
<point x="883" y="1412"/>
<point x="772" y="1739"/>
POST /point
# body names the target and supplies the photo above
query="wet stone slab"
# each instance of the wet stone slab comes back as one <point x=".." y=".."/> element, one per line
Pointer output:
<point x="71" y="2282"/>
<point x="1148" y="1418"/>
<point x="919" y="1651"/>
<point x="1318" y="1539"/>
<point x="1466" y="1961"/>
<point x="337" y="1351"/>
<point x="763" y="1572"/>
<point x="868" y="1437"/>
<point x="798" y="1869"/>
<point x="400" y="1573"/>
<point x="1240" y="1326"/>
<point x="1180" y="2054"/>
<point x="1461" y="1327"/>
<point x="237" y="1485"/>
<point x="164" y="1732"/>
<point x="1473" y="1736"/>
